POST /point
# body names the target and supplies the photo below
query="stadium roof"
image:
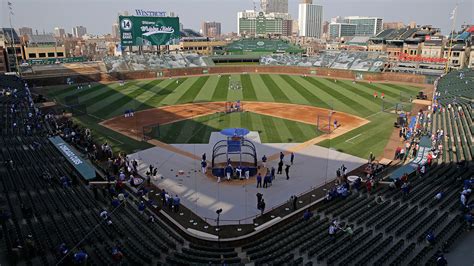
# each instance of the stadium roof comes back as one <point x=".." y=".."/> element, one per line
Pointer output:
<point x="6" y="33"/>
<point x="358" y="40"/>
<point x="42" y="39"/>
<point x="394" y="34"/>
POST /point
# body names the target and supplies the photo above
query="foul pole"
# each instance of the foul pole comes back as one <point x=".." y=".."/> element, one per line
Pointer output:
<point x="453" y="18"/>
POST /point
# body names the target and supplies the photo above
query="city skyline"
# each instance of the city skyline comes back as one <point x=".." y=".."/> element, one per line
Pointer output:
<point x="100" y="15"/>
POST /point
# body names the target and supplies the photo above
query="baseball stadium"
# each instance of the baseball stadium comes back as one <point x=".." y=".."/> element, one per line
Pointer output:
<point x="254" y="156"/>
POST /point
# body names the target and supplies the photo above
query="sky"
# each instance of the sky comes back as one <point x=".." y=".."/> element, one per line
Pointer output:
<point x="99" y="15"/>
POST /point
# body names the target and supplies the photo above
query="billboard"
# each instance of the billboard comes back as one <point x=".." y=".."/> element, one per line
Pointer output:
<point x="148" y="30"/>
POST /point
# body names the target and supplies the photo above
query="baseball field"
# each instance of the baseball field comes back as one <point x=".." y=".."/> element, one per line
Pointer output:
<point x="106" y="103"/>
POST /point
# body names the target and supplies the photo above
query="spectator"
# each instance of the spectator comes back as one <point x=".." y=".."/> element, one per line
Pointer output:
<point x="430" y="238"/>
<point x="176" y="203"/>
<point x="117" y="255"/>
<point x="264" y="161"/>
<point x="262" y="206"/>
<point x="307" y="215"/>
<point x="259" y="180"/>
<point x="439" y="195"/>
<point x="62" y="249"/>
<point x="80" y="257"/>
<point x="441" y="260"/>
<point x="141" y="206"/>
<point x="203" y="166"/>
<point x="349" y="231"/>
<point x="332" y="231"/>
<point x="259" y="199"/>
<point x="280" y="167"/>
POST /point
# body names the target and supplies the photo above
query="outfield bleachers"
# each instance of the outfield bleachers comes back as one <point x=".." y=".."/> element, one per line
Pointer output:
<point x="136" y="62"/>
<point x="348" y="60"/>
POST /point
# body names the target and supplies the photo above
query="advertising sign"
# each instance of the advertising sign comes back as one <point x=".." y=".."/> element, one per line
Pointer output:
<point x="148" y="30"/>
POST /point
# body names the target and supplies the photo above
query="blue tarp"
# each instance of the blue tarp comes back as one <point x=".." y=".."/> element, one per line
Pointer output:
<point x="83" y="167"/>
<point x="421" y="159"/>
<point x="235" y="132"/>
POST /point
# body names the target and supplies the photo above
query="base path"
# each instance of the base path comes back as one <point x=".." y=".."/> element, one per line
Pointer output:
<point x="133" y="126"/>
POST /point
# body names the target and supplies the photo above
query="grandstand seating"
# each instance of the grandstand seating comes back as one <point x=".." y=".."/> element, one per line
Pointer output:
<point x="38" y="215"/>
<point x="456" y="121"/>
<point x="348" y="60"/>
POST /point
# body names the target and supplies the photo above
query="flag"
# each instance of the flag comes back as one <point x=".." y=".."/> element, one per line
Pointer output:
<point x="453" y="13"/>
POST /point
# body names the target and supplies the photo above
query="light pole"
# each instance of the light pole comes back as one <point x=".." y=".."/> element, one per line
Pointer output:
<point x="218" y="229"/>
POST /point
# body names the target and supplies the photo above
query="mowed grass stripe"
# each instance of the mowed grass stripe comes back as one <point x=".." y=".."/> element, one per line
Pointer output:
<point x="61" y="91"/>
<point x="221" y="90"/>
<point x="311" y="98"/>
<point x="271" y="131"/>
<point x="357" y="107"/>
<point x="407" y="89"/>
<point x="274" y="89"/>
<point x="379" y="89"/>
<point x="283" y="131"/>
<point x="298" y="135"/>
<point x="106" y="94"/>
<point x="375" y="103"/>
<point x="110" y="108"/>
<point x="161" y="94"/>
<point x="83" y="92"/>
<point x="248" y="89"/>
<point x="193" y="90"/>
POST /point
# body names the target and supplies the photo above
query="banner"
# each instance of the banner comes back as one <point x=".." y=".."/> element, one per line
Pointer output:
<point x="148" y="30"/>
<point x="83" y="167"/>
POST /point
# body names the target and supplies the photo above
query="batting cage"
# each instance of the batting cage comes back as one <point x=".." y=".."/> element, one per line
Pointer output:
<point x="73" y="105"/>
<point x="151" y="132"/>
<point x="236" y="106"/>
<point x="326" y="123"/>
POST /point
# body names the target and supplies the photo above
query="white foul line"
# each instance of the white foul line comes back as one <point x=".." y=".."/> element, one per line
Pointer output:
<point x="349" y="140"/>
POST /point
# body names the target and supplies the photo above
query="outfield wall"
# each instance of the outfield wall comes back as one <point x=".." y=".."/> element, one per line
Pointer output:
<point x="78" y="77"/>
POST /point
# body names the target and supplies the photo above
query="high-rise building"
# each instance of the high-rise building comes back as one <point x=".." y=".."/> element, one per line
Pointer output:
<point x="310" y="19"/>
<point x="274" y="6"/>
<point x="251" y="23"/>
<point x="115" y="31"/>
<point x="79" y="31"/>
<point x="25" y="31"/>
<point x="366" y="26"/>
<point x="59" y="32"/>
<point x="338" y="30"/>
<point x="211" y="29"/>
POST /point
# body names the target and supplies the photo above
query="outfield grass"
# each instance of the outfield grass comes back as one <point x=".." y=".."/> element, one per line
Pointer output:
<point x="271" y="129"/>
<point x="107" y="101"/>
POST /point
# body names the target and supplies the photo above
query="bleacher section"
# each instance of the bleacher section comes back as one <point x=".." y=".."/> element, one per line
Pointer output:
<point x="454" y="99"/>
<point x="153" y="62"/>
<point x="251" y="46"/>
<point x="348" y="60"/>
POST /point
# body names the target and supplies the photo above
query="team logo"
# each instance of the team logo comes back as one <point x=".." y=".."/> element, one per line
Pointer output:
<point x="126" y="24"/>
